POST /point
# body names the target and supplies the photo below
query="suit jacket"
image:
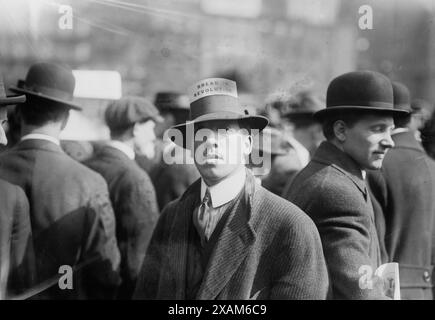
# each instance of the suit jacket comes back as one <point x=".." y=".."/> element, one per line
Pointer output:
<point x="405" y="188"/>
<point x="72" y="219"/>
<point x="270" y="250"/>
<point x="17" y="260"/>
<point x="330" y="189"/>
<point x="134" y="202"/>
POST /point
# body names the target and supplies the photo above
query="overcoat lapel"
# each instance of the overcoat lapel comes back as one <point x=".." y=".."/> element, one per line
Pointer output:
<point x="232" y="246"/>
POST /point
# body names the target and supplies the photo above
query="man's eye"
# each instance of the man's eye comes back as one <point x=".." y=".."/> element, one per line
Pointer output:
<point x="378" y="129"/>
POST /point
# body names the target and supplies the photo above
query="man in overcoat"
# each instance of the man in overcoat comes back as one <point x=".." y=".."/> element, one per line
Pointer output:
<point x="73" y="224"/>
<point x="405" y="189"/>
<point x="357" y="123"/>
<point x="227" y="237"/>
<point x="17" y="264"/>
<point x="131" y="121"/>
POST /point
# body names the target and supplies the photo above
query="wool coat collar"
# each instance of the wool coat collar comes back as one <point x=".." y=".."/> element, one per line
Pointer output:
<point x="329" y="154"/>
<point x="407" y="140"/>
<point x="237" y="236"/>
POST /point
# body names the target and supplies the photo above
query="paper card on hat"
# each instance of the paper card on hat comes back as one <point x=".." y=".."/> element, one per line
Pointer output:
<point x="211" y="87"/>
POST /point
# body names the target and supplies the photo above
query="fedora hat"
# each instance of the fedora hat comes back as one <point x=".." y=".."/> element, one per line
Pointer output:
<point x="214" y="99"/>
<point x="50" y="82"/>
<point x="171" y="101"/>
<point x="360" y="90"/>
<point x="7" y="100"/>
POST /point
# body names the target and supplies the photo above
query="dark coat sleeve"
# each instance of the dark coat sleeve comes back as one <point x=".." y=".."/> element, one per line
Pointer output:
<point x="100" y="252"/>
<point x="138" y="213"/>
<point x="147" y="284"/>
<point x="22" y="257"/>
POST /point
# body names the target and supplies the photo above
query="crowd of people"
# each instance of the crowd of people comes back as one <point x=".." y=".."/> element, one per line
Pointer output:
<point x="344" y="183"/>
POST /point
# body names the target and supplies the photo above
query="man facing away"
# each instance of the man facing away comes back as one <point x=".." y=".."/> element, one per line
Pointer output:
<point x="17" y="269"/>
<point x="227" y="237"/>
<point x="72" y="219"/>
<point x="357" y="123"/>
<point x="131" y="121"/>
<point x="405" y="189"/>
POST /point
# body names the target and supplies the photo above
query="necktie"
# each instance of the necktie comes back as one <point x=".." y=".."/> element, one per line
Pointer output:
<point x="204" y="218"/>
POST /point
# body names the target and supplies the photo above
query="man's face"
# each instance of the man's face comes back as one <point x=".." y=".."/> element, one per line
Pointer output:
<point x="3" y="122"/>
<point x="220" y="148"/>
<point x="144" y="138"/>
<point x="368" y="140"/>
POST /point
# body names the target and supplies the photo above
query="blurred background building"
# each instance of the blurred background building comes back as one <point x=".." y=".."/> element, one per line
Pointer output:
<point x="274" y="47"/>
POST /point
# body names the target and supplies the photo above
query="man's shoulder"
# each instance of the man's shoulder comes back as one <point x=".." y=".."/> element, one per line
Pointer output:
<point x="277" y="210"/>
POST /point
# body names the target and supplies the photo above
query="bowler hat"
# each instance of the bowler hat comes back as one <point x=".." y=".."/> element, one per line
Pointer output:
<point x="214" y="99"/>
<point x="402" y="100"/>
<point x="50" y="82"/>
<point x="360" y="90"/>
<point x="7" y="100"/>
<point x="123" y="113"/>
<point x="171" y="101"/>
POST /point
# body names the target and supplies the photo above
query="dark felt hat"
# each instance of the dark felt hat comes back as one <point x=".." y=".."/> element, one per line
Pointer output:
<point x="49" y="81"/>
<point x="7" y="100"/>
<point x="125" y="112"/>
<point x="216" y="99"/>
<point x="172" y="101"/>
<point x="360" y="90"/>
<point x="402" y="100"/>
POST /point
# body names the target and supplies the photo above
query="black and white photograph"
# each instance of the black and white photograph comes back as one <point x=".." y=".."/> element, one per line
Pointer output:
<point x="231" y="150"/>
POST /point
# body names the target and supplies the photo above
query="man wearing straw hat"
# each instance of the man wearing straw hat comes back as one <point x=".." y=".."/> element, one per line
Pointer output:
<point x="357" y="124"/>
<point x="227" y="237"/>
<point x="73" y="224"/>
<point x="17" y="269"/>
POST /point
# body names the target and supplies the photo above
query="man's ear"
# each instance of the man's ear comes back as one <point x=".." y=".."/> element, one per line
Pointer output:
<point x="135" y="129"/>
<point x="339" y="128"/>
<point x="247" y="147"/>
<point x="65" y="120"/>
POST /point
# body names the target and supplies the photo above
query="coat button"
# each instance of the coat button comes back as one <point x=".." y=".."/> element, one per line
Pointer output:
<point x="426" y="276"/>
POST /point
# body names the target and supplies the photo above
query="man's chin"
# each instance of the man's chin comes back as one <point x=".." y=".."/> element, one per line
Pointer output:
<point x="376" y="165"/>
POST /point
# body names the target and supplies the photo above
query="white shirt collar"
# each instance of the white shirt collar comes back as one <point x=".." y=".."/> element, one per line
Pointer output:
<point x="127" y="150"/>
<point x="227" y="189"/>
<point x="399" y="130"/>
<point x="40" y="136"/>
<point x="364" y="174"/>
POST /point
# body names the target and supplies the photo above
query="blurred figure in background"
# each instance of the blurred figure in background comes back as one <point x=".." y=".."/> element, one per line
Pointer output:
<point x="428" y="131"/>
<point x="131" y="121"/>
<point x="405" y="189"/>
<point x="17" y="261"/>
<point x="275" y="169"/>
<point x="171" y="180"/>
<point x="72" y="219"/>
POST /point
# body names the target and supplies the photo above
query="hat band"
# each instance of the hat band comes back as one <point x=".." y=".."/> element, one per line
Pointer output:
<point x="374" y="104"/>
<point x="215" y="104"/>
<point x="51" y="92"/>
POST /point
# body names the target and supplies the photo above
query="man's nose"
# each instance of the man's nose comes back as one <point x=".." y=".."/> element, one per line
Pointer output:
<point x="3" y="138"/>
<point x="387" y="142"/>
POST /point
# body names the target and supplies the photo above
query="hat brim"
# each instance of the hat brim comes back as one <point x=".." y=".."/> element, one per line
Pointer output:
<point x="43" y="96"/>
<point x="252" y="122"/>
<point x="395" y="113"/>
<point x="15" y="99"/>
